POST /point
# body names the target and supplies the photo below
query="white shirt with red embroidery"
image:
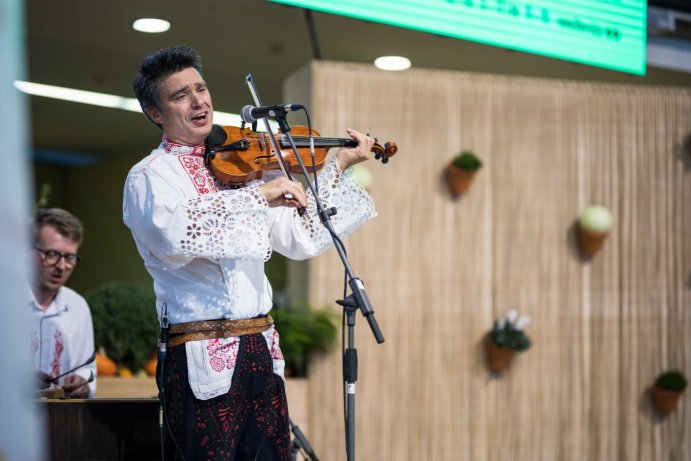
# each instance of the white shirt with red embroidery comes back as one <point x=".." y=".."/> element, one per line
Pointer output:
<point x="205" y="245"/>
<point x="62" y="336"/>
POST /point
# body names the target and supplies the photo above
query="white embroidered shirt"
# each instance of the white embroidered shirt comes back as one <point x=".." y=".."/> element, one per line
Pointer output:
<point x="205" y="245"/>
<point x="62" y="336"/>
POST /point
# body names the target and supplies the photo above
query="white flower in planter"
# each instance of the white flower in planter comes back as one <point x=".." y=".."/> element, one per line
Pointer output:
<point x="522" y="323"/>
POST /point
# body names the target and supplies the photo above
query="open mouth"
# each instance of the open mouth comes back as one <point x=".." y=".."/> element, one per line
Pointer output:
<point x="200" y="118"/>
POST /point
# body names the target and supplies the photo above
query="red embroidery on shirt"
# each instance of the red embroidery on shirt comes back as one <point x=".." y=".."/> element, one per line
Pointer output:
<point x="169" y="146"/>
<point x="59" y="347"/>
<point x="200" y="175"/>
<point x="193" y="164"/>
<point x="223" y="353"/>
<point x="276" y="353"/>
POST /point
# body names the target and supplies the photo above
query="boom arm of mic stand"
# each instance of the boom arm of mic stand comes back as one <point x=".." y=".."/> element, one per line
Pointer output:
<point x="359" y="294"/>
<point x="362" y="301"/>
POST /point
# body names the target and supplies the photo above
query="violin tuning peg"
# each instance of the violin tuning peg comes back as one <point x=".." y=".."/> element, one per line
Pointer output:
<point x="385" y="160"/>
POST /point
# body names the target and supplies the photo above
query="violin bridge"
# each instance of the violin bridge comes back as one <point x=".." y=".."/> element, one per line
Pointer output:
<point x="262" y="143"/>
<point x="265" y="146"/>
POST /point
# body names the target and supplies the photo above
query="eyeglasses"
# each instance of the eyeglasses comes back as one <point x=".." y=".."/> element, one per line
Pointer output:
<point x="52" y="257"/>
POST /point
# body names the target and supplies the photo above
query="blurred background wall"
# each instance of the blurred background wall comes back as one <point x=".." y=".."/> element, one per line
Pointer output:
<point x="440" y="270"/>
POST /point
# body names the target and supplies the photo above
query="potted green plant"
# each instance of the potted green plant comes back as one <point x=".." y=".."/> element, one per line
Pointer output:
<point x="125" y="323"/>
<point x="505" y="339"/>
<point x="667" y="390"/>
<point x="461" y="171"/>
<point x="303" y="333"/>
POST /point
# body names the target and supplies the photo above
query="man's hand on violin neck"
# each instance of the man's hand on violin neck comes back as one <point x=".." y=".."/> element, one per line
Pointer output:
<point x="284" y="192"/>
<point x="349" y="156"/>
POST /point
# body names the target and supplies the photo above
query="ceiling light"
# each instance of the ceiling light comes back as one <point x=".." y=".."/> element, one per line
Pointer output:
<point x="392" y="63"/>
<point x="112" y="101"/>
<point x="151" y="25"/>
<point x="84" y="97"/>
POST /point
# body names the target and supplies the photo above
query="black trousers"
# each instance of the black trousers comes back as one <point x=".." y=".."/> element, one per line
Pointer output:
<point x="249" y="422"/>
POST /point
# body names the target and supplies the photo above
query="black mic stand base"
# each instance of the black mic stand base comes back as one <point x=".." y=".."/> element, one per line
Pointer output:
<point x="300" y="442"/>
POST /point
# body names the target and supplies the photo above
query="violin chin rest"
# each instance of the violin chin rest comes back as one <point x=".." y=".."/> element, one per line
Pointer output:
<point x="217" y="136"/>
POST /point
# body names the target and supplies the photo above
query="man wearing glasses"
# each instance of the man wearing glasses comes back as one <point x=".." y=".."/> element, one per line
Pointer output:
<point x="62" y="335"/>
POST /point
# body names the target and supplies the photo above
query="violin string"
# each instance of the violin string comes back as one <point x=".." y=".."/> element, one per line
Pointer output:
<point x="331" y="142"/>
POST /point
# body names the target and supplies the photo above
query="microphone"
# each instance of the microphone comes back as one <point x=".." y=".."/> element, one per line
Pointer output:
<point x="250" y="114"/>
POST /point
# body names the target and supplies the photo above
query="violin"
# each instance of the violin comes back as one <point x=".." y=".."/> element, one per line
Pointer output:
<point x="237" y="155"/>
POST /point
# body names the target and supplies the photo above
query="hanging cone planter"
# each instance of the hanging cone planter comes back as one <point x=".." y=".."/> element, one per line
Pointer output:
<point x="594" y="227"/>
<point x="667" y="389"/>
<point x="590" y="242"/>
<point x="665" y="401"/>
<point x="505" y="339"/>
<point x="461" y="172"/>
<point x="499" y="358"/>
<point x="459" y="180"/>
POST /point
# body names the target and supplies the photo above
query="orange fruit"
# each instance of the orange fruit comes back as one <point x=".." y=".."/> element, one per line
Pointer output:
<point x="104" y="365"/>
<point x="125" y="372"/>
<point x="150" y="366"/>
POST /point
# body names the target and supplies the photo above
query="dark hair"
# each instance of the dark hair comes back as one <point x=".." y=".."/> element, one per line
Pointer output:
<point x="67" y="224"/>
<point x="154" y="67"/>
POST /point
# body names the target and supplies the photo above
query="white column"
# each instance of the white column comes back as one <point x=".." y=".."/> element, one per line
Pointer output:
<point x="21" y="436"/>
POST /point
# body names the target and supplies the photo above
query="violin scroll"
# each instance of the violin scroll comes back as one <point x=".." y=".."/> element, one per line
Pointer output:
<point x="384" y="153"/>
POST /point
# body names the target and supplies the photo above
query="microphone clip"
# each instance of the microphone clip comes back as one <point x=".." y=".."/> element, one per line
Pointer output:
<point x="163" y="338"/>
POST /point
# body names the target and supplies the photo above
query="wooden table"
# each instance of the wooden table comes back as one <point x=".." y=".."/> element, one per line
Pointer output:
<point x="102" y="429"/>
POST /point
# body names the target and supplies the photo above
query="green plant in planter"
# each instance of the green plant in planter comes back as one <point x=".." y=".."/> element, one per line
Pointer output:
<point x="461" y="171"/>
<point x="303" y="332"/>
<point x="125" y="322"/>
<point x="671" y="380"/>
<point x="505" y="339"/>
<point x="667" y="390"/>
<point x="466" y="160"/>
<point x="510" y="332"/>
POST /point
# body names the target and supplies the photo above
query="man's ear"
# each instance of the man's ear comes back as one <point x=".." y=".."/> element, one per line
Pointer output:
<point x="155" y="115"/>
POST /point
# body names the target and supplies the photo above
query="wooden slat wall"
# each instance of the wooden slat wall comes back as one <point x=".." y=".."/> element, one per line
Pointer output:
<point x="439" y="271"/>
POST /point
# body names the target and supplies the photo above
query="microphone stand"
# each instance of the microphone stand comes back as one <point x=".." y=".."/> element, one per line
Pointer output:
<point x="357" y="299"/>
<point x="160" y="376"/>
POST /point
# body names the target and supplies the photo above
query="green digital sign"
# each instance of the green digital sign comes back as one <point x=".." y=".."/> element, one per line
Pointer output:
<point x="602" y="33"/>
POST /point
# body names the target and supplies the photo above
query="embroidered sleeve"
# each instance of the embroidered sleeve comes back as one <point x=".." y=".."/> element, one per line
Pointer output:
<point x="176" y="229"/>
<point x="307" y="236"/>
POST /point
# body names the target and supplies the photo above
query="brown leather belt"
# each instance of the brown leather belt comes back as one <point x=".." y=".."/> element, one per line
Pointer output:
<point x="211" y="329"/>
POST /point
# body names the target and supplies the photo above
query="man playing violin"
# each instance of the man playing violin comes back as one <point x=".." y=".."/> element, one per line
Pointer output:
<point x="205" y="243"/>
